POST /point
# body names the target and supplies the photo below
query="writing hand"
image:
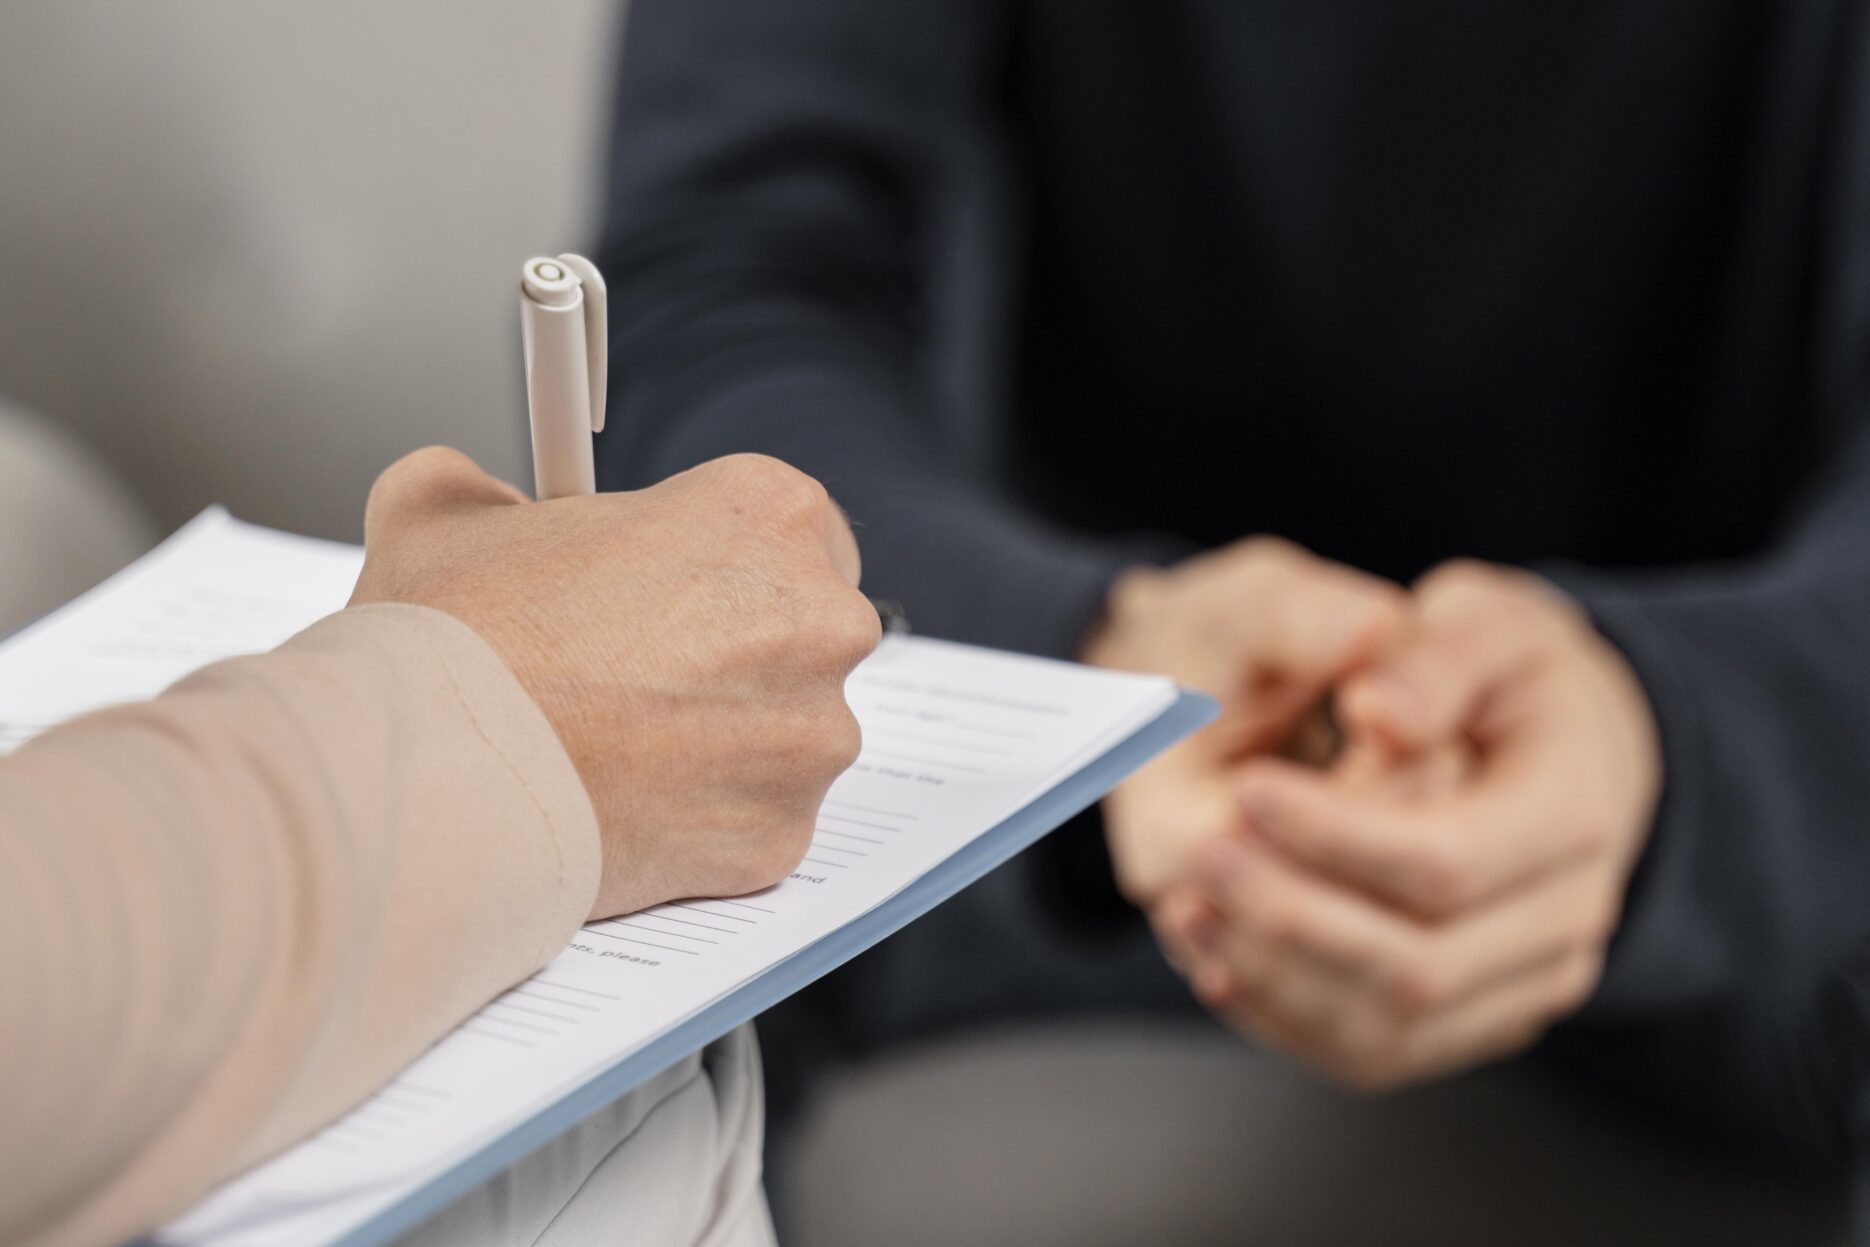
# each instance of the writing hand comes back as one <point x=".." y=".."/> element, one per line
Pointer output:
<point x="688" y="642"/>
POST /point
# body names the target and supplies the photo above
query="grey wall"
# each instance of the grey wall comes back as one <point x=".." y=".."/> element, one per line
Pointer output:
<point x="252" y="252"/>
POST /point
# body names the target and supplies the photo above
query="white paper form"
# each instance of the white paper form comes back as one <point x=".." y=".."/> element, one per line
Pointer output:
<point x="215" y="589"/>
<point x="955" y="740"/>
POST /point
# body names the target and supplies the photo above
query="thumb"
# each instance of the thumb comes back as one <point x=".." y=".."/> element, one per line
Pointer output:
<point x="430" y="482"/>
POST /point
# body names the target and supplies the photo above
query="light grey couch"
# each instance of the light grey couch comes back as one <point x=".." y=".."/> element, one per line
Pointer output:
<point x="252" y="252"/>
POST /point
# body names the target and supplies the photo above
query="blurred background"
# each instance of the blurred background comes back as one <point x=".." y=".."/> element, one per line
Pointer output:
<point x="251" y="253"/>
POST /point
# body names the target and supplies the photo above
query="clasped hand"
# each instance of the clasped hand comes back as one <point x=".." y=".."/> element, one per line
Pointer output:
<point x="1441" y="888"/>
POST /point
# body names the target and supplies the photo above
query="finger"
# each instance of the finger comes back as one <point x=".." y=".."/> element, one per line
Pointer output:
<point x="1185" y="924"/>
<point x="1303" y="1001"/>
<point x="1317" y="620"/>
<point x="1363" y="765"/>
<point x="1510" y="823"/>
<point x="1256" y="1021"/>
<point x="1311" y="1011"/>
<point x="1494" y="1025"/>
<point x="1474" y="628"/>
<point x="1156" y="818"/>
<point x="1271" y="909"/>
<point x="1571" y="912"/>
<point x="1365" y="1051"/>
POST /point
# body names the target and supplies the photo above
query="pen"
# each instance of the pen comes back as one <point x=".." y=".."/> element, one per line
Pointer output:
<point x="564" y="329"/>
<point x="563" y="314"/>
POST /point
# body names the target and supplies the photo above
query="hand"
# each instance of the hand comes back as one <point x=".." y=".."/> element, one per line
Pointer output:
<point x="1265" y="627"/>
<point x="688" y="643"/>
<point x="1386" y="937"/>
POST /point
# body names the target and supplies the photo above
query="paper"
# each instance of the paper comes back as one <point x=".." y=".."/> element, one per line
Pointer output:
<point x="956" y="739"/>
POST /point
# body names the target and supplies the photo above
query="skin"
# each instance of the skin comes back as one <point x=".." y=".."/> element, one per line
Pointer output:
<point x="1444" y="890"/>
<point x="1264" y="627"/>
<point x="688" y="643"/>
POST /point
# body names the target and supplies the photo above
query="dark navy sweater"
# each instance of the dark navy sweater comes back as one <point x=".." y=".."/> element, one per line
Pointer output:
<point x="1043" y="288"/>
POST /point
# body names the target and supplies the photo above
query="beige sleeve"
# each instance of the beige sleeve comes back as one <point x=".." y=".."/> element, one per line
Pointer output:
<point x="231" y="912"/>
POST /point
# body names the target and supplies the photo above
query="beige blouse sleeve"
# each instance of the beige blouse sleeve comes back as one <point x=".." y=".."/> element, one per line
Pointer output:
<point x="231" y="912"/>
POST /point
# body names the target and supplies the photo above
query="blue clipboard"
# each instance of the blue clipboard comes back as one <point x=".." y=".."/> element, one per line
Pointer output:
<point x="992" y="849"/>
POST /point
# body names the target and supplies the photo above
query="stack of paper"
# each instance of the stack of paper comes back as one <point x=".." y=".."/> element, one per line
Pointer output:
<point x="968" y="756"/>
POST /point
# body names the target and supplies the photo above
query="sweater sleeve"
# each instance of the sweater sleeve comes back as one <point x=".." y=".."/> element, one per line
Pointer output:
<point x="231" y="912"/>
<point x="775" y="246"/>
<point x="1754" y="890"/>
<point x="1748" y="920"/>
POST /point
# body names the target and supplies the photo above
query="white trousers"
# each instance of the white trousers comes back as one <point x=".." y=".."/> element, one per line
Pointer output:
<point x="676" y="1161"/>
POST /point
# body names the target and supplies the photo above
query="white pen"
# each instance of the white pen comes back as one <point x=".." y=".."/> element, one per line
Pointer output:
<point x="563" y="321"/>
<point x="564" y="324"/>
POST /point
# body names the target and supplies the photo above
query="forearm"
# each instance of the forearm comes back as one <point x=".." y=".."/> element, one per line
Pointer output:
<point x="773" y="244"/>
<point x="233" y="911"/>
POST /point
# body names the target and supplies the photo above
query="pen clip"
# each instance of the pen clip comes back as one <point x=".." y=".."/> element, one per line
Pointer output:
<point x="596" y="331"/>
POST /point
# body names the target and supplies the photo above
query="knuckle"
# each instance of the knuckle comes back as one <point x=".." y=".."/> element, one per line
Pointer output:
<point x="844" y="740"/>
<point x="1387" y="600"/>
<point x="782" y="851"/>
<point x="1540" y="614"/>
<point x="853" y="628"/>
<point x="835" y="634"/>
<point x="1268" y="547"/>
<point x="1462" y="586"/>
<point x="774" y="483"/>
<point x="1275" y="553"/>
<point x="1456" y="574"/>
